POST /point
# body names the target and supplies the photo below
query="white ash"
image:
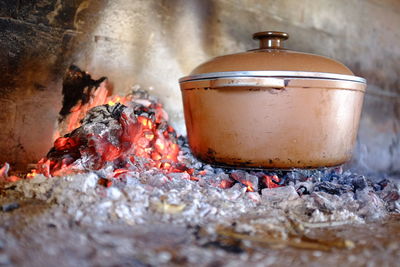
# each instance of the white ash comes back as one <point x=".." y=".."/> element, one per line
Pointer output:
<point x="146" y="196"/>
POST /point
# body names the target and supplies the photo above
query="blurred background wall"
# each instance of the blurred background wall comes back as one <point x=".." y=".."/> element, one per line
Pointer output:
<point x="155" y="42"/>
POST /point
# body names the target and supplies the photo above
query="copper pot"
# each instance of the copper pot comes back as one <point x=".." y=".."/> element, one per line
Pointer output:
<point x="272" y="108"/>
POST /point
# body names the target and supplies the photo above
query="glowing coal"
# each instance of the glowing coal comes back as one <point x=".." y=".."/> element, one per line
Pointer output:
<point x="115" y="134"/>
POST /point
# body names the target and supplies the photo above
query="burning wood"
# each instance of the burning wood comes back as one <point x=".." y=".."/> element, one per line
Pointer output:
<point x="248" y="180"/>
<point x="115" y="135"/>
<point x="78" y="87"/>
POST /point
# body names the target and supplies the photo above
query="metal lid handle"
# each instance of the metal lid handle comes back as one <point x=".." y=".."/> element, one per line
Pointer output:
<point x="270" y="39"/>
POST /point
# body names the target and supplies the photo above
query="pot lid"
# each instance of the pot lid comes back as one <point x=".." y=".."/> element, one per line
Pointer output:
<point x="272" y="59"/>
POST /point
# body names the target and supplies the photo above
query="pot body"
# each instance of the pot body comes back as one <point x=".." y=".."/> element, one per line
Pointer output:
<point x="304" y="123"/>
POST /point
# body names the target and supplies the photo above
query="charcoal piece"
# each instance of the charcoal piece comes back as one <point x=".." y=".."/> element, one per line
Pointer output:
<point x="391" y="195"/>
<point x="279" y="194"/>
<point x="221" y="180"/>
<point x="163" y="126"/>
<point x="326" y="202"/>
<point x="292" y="176"/>
<point x="296" y="175"/>
<point x="324" y="177"/>
<point x="178" y="175"/>
<point x="251" y="181"/>
<point x="116" y="110"/>
<point x="238" y="175"/>
<point x="305" y="188"/>
<point x="283" y="180"/>
<point x="371" y="206"/>
<point x="77" y="86"/>
<point x="333" y="188"/>
<point x="100" y="123"/>
<point x="141" y="110"/>
<point x="254" y="196"/>
<point x="235" y="191"/>
<point x="96" y="141"/>
<point x="380" y="185"/>
<point x="157" y="180"/>
<point x="140" y="94"/>
<point x="10" y="206"/>
<point x="302" y="190"/>
<point x="359" y="183"/>
<point x="103" y="113"/>
<point x="356" y="180"/>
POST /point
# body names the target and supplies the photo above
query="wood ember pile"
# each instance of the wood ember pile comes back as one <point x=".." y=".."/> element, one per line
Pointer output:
<point x="125" y="164"/>
<point x="130" y="154"/>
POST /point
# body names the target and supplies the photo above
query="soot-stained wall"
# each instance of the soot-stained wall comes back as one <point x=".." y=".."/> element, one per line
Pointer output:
<point x="155" y="42"/>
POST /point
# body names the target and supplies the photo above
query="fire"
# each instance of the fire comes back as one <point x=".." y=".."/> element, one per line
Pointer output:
<point x="194" y="178"/>
<point x="144" y="121"/>
<point x="225" y="184"/>
<point x="32" y="174"/>
<point x="65" y="143"/>
<point x="271" y="181"/>
<point x="105" y="182"/>
<point x="149" y="135"/>
<point x="97" y="98"/>
<point x="143" y="132"/>
<point x="249" y="186"/>
<point x="165" y="166"/>
<point x="159" y="145"/>
<point x="114" y="101"/>
<point x="118" y="172"/>
<point x="155" y="156"/>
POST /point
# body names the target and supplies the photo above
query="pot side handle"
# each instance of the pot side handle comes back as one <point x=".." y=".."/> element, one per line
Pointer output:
<point x="248" y="82"/>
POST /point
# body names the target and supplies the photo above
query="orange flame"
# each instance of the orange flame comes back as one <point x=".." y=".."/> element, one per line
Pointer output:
<point x="32" y="174"/>
<point x="114" y="101"/>
<point x="139" y="137"/>
<point x="249" y="186"/>
<point x="268" y="181"/>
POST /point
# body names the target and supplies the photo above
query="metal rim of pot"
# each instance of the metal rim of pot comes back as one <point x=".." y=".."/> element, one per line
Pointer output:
<point x="273" y="79"/>
<point x="273" y="74"/>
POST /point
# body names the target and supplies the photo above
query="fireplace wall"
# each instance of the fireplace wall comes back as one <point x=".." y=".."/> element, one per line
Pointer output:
<point x="153" y="43"/>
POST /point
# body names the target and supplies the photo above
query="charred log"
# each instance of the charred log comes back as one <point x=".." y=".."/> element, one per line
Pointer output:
<point x="77" y="86"/>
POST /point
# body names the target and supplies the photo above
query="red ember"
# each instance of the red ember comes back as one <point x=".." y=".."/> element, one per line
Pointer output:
<point x="271" y="181"/>
<point x="140" y="130"/>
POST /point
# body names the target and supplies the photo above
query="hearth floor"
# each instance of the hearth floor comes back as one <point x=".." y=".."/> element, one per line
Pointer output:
<point x="37" y="234"/>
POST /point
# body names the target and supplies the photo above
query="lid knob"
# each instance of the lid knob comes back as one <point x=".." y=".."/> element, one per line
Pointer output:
<point x="270" y="39"/>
